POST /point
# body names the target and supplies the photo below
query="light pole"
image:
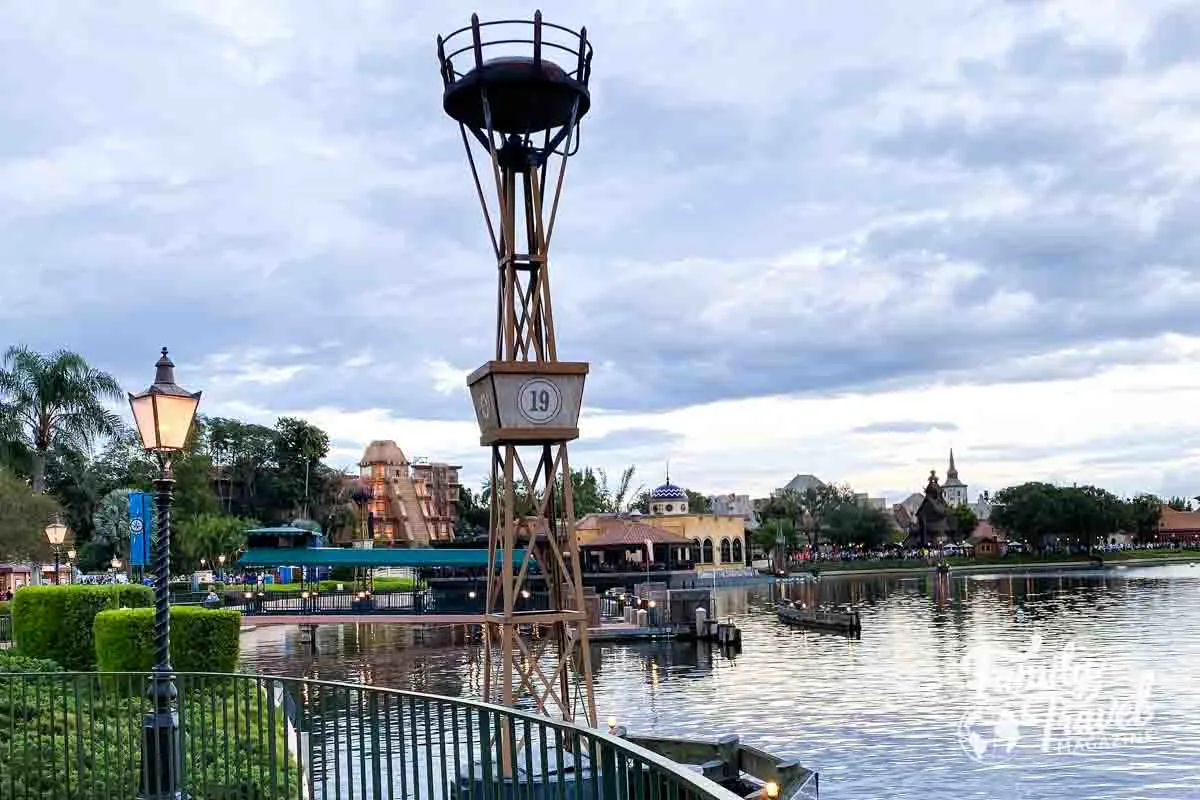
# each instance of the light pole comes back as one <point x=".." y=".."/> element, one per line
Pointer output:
<point x="71" y="564"/>
<point x="116" y="565"/>
<point x="56" y="532"/>
<point x="164" y="415"/>
<point x="221" y="571"/>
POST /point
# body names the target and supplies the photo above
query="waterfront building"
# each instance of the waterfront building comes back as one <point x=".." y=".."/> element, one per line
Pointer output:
<point x="410" y="504"/>
<point x="932" y="526"/>
<point x="987" y="541"/>
<point x="437" y="488"/>
<point x="736" y="505"/>
<point x="1178" y="526"/>
<point x="716" y="540"/>
<point x="954" y="491"/>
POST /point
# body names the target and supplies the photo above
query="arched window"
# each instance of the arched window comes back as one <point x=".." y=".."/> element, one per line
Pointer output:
<point x="707" y="552"/>
<point x="694" y="552"/>
<point x="726" y="552"/>
<point x="737" y="550"/>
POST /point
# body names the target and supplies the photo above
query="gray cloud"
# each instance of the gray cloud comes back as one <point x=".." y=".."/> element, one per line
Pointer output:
<point x="632" y="439"/>
<point x="905" y="426"/>
<point x="1174" y="38"/>
<point x="299" y="205"/>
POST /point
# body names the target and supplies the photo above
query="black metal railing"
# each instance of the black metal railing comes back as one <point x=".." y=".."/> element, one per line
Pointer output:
<point x="79" y="736"/>
<point x="6" y="631"/>
<point x="304" y="603"/>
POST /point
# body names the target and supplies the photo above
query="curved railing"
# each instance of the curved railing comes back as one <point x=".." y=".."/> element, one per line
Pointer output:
<point x="80" y="736"/>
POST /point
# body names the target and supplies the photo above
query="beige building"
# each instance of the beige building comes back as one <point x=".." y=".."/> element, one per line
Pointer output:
<point x="410" y="504"/>
<point x="714" y="541"/>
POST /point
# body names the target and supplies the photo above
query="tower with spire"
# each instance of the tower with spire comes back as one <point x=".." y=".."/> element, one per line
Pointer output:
<point x="954" y="490"/>
<point x="668" y="499"/>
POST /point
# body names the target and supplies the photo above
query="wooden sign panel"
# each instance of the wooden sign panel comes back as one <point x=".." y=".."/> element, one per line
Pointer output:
<point x="523" y="401"/>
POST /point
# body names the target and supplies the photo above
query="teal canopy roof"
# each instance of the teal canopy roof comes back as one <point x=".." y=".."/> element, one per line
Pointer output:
<point x="283" y="530"/>
<point x="356" y="557"/>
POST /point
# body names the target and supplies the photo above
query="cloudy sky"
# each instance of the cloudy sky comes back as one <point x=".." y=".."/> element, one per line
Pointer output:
<point x="835" y="238"/>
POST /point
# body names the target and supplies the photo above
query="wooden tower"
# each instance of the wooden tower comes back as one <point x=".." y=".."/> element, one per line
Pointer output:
<point x="519" y="115"/>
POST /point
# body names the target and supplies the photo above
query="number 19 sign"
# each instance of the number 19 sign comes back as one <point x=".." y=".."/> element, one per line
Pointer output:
<point x="527" y="402"/>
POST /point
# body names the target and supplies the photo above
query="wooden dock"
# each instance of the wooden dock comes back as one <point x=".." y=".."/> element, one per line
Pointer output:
<point x="847" y="622"/>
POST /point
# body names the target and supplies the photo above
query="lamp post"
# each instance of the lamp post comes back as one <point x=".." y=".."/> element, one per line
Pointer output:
<point x="56" y="532"/>
<point x="164" y="414"/>
<point x="71" y="564"/>
<point x="116" y="565"/>
<point x="221" y="571"/>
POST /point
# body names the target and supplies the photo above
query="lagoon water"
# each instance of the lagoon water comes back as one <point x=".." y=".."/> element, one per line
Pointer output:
<point x="1006" y="687"/>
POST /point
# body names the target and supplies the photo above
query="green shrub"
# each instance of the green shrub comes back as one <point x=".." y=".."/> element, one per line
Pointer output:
<point x="5" y="608"/>
<point x="55" y="622"/>
<point x="63" y="737"/>
<point x="12" y="661"/>
<point x="202" y="640"/>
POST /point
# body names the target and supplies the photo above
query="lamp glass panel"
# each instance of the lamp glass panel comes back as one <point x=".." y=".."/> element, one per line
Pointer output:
<point x="143" y="417"/>
<point x="56" y="533"/>
<point x="175" y="414"/>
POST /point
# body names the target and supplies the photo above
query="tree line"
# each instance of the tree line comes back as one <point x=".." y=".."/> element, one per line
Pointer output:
<point x="1079" y="517"/>
<point x="822" y="514"/>
<point x="65" y="454"/>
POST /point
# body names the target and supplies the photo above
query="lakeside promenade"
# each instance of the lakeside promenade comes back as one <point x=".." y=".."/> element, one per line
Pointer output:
<point x="1111" y="561"/>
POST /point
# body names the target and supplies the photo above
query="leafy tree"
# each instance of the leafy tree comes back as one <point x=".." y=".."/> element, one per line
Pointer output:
<point x="110" y="524"/>
<point x="810" y="510"/>
<point x="965" y="521"/>
<point x="852" y="523"/>
<point x="243" y="455"/>
<point x="299" y="448"/>
<point x="71" y="477"/>
<point x="1027" y="512"/>
<point x="24" y="515"/>
<point x="588" y="494"/>
<point x="1084" y="516"/>
<point x="618" y="497"/>
<point x="207" y="537"/>
<point x="766" y="537"/>
<point x="54" y="399"/>
<point x="1180" y="503"/>
<point x="1142" y="516"/>
<point x="474" y="516"/>
<point x="698" y="503"/>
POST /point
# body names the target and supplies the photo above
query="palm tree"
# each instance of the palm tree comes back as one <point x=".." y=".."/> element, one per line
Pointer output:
<point x="54" y="399"/>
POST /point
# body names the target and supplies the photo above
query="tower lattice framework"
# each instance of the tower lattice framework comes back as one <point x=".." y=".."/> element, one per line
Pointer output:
<point x="519" y="119"/>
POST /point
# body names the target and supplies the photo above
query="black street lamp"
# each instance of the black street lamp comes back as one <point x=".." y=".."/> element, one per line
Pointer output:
<point x="164" y="415"/>
<point x="56" y="532"/>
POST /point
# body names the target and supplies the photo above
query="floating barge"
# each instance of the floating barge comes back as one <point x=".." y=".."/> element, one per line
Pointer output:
<point x="847" y="622"/>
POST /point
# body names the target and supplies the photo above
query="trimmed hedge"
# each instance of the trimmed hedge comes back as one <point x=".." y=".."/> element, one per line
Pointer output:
<point x="202" y="640"/>
<point x="12" y="661"/>
<point x="55" y="622"/>
<point x="5" y="608"/>
<point x="65" y="738"/>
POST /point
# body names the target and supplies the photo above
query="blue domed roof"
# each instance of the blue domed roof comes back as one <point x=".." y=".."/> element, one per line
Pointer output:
<point x="668" y="491"/>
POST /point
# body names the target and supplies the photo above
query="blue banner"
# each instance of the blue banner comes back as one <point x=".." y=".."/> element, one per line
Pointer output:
<point x="141" y="512"/>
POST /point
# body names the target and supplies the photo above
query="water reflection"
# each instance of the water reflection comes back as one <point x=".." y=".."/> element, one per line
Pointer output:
<point x="880" y="717"/>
